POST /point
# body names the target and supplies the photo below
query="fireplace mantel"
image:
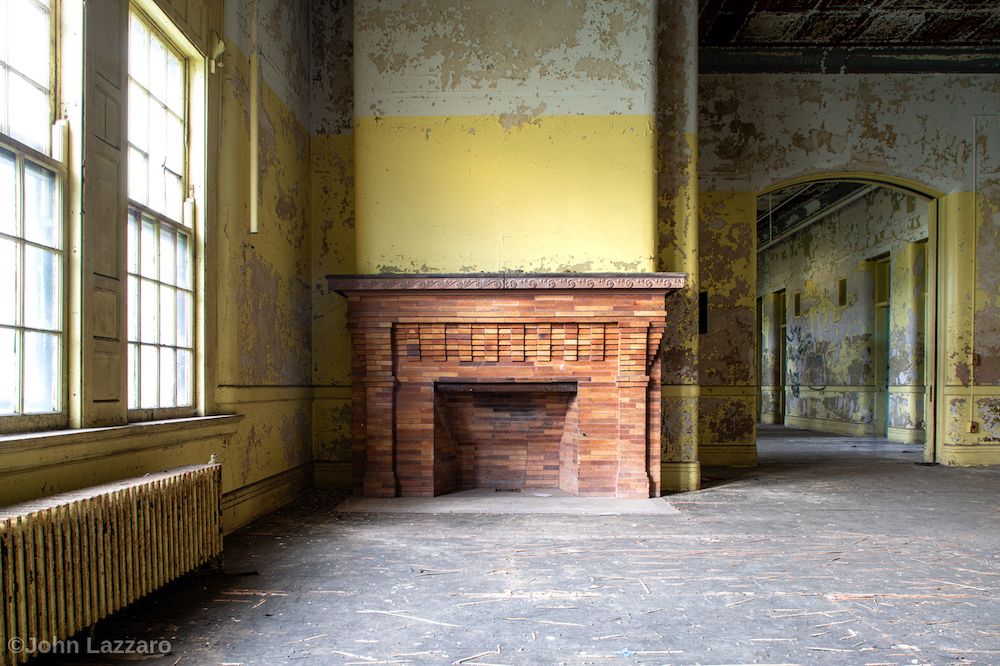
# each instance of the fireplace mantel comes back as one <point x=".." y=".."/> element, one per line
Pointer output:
<point x="534" y="380"/>
<point x="504" y="281"/>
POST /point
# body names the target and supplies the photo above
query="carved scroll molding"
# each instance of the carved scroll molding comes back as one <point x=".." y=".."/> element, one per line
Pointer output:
<point x="506" y="281"/>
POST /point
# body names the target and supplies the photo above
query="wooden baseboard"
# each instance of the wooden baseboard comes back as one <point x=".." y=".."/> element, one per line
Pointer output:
<point x="907" y="435"/>
<point x="261" y="497"/>
<point x="744" y="455"/>
<point x="332" y="475"/>
<point x="969" y="456"/>
<point x="835" y="427"/>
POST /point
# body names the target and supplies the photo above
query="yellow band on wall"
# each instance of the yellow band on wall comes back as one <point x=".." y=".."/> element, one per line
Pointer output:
<point x="461" y="194"/>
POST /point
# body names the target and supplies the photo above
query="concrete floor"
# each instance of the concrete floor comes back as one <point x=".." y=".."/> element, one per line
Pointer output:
<point x="490" y="501"/>
<point x="833" y="550"/>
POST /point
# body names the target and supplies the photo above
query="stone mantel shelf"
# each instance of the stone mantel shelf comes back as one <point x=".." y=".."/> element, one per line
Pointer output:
<point x="505" y="281"/>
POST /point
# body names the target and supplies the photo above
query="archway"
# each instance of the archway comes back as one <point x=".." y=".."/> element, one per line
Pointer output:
<point x="850" y="359"/>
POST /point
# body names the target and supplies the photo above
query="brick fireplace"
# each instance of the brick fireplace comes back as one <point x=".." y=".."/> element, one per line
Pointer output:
<point x="506" y="381"/>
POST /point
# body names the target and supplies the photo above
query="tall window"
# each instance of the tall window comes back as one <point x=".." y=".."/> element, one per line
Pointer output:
<point x="32" y="235"/>
<point x="160" y="233"/>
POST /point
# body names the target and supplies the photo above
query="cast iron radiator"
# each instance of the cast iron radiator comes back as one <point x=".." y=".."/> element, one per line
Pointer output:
<point x="70" y="560"/>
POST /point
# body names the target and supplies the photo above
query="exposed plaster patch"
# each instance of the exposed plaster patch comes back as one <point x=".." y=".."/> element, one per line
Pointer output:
<point x="420" y="57"/>
<point x="915" y="126"/>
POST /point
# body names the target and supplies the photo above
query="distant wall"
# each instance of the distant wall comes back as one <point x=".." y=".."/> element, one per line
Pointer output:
<point x="830" y="380"/>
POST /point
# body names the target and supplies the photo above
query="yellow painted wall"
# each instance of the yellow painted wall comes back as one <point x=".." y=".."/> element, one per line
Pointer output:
<point x="333" y="251"/>
<point x="727" y="352"/>
<point x="467" y="194"/>
<point x="967" y="397"/>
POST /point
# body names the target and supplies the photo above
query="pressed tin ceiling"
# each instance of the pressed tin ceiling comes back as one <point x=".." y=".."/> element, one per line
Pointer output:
<point x="839" y="23"/>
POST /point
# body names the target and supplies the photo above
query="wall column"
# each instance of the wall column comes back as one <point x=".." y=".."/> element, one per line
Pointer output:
<point x="677" y="236"/>
<point x="906" y="344"/>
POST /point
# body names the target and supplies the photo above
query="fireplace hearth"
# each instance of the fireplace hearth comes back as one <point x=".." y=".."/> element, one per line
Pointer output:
<point x="506" y="381"/>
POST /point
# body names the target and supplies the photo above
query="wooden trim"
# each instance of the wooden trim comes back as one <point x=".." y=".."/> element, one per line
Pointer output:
<point x="906" y="435"/>
<point x="830" y="426"/>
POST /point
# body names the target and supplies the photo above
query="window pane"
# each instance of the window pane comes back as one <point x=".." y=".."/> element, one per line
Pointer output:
<point x="167" y="261"/>
<point x="183" y="261"/>
<point x="133" y="377"/>
<point x="28" y="49"/>
<point x="8" y="187"/>
<point x="175" y="196"/>
<point x="10" y="371"/>
<point x="8" y="282"/>
<point x="184" y="319"/>
<point x="184" y="378"/>
<point x="167" y="304"/>
<point x="174" y="143"/>
<point x="42" y="377"/>
<point x="138" y="117"/>
<point x="133" y="242"/>
<point x="137" y="176"/>
<point x="175" y="84"/>
<point x="41" y="222"/>
<point x="133" y="309"/>
<point x="147" y="249"/>
<point x="149" y="366"/>
<point x="157" y="134"/>
<point x="148" y="311"/>
<point x="42" y="281"/>
<point x="29" y="117"/>
<point x="138" y="43"/>
<point x="156" y="198"/>
<point x="168" y="367"/>
<point x="3" y="86"/>
<point x="157" y="69"/>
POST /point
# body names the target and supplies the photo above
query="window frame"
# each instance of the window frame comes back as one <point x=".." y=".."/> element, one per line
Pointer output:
<point x="194" y="124"/>
<point x="55" y="161"/>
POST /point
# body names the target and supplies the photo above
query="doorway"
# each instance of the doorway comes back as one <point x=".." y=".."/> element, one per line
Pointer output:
<point x="836" y="368"/>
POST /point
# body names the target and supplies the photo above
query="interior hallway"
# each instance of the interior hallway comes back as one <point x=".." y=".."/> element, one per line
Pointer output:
<point x="832" y="550"/>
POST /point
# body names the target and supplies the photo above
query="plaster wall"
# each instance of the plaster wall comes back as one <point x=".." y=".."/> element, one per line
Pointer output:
<point x="493" y="136"/>
<point x="830" y="376"/>
<point x="262" y="352"/>
<point x="757" y="130"/>
<point x="727" y="349"/>
<point x="332" y="233"/>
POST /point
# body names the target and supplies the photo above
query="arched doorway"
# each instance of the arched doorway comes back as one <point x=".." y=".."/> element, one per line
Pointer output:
<point x="847" y="302"/>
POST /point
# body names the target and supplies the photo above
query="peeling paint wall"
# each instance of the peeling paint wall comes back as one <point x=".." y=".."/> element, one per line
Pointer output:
<point x="496" y="136"/>
<point x="970" y="281"/>
<point x="727" y="351"/>
<point x="332" y="227"/>
<point x="264" y="295"/>
<point x="830" y="376"/>
<point x="907" y="334"/>
<point x="757" y="130"/>
<point x="677" y="236"/>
